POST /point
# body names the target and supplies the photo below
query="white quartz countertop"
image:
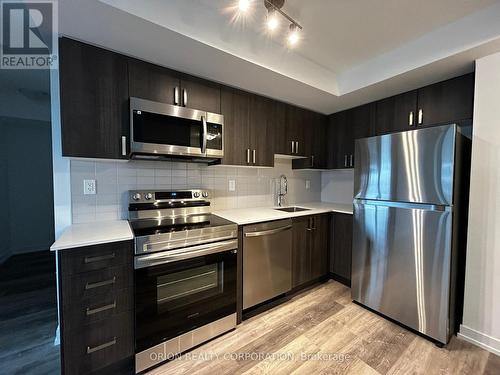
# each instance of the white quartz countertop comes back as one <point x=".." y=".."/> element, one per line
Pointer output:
<point x="78" y="235"/>
<point x="242" y="216"/>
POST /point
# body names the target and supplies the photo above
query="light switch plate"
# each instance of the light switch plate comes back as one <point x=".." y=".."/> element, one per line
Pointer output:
<point x="232" y="185"/>
<point x="308" y="184"/>
<point x="89" y="187"/>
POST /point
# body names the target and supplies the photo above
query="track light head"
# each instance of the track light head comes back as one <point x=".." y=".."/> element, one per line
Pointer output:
<point x="293" y="35"/>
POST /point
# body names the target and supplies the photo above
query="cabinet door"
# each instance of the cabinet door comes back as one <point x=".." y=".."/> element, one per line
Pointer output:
<point x="295" y="130"/>
<point x="320" y="142"/>
<point x="235" y="108"/>
<point x="261" y="131"/>
<point x="342" y="247"/>
<point x="338" y="136"/>
<point x="301" y="254"/>
<point x="94" y="101"/>
<point x="315" y="143"/>
<point x="396" y="113"/>
<point x="319" y="245"/>
<point x="153" y="82"/>
<point x="281" y="143"/>
<point x="200" y="94"/>
<point x="447" y="101"/>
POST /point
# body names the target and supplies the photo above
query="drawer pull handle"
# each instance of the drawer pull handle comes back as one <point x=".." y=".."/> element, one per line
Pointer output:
<point x="91" y="350"/>
<point x="99" y="258"/>
<point x="101" y="309"/>
<point x="100" y="283"/>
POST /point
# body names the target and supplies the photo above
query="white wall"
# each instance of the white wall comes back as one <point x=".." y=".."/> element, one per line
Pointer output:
<point x="254" y="187"/>
<point x="337" y="186"/>
<point x="481" y="320"/>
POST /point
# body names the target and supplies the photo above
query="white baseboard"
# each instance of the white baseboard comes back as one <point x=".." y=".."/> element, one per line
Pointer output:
<point x="480" y="339"/>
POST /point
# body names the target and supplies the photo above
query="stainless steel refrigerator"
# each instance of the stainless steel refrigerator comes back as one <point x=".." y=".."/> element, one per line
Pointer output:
<point x="410" y="218"/>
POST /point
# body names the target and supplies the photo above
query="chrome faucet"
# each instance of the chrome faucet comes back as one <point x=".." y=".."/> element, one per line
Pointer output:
<point x="282" y="190"/>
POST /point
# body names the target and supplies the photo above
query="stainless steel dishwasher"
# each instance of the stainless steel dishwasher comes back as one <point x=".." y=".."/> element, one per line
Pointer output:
<point x="267" y="261"/>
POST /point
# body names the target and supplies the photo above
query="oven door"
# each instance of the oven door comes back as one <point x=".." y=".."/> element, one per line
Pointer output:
<point x="178" y="291"/>
<point x="165" y="129"/>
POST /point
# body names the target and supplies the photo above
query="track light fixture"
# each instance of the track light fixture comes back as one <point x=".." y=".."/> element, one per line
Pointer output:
<point x="273" y="20"/>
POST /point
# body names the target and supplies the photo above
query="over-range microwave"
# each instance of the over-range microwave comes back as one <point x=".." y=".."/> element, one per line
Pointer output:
<point x="162" y="131"/>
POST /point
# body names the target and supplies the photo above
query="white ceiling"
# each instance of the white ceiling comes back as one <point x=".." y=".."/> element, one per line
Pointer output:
<point x="354" y="51"/>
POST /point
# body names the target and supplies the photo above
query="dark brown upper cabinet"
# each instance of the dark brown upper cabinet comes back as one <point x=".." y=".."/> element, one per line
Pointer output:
<point x="159" y="84"/>
<point x="443" y="102"/>
<point x="200" y="94"/>
<point x="397" y="113"/>
<point x="262" y="133"/>
<point x="447" y="101"/>
<point x="248" y="129"/>
<point x="315" y="143"/>
<point x="295" y="130"/>
<point x="94" y="101"/>
<point x="344" y="128"/>
<point x="282" y="145"/>
<point x="235" y="106"/>
<point x="153" y="82"/>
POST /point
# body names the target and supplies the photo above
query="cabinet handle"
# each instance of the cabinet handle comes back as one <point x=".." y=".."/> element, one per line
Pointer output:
<point x="420" y="116"/>
<point x="253" y="156"/>
<point x="184" y="97"/>
<point x="91" y="350"/>
<point x="90" y="311"/>
<point x="176" y="95"/>
<point x="312" y="161"/>
<point x="293" y="147"/>
<point x="297" y="147"/>
<point x="352" y="161"/>
<point x="100" y="283"/>
<point x="248" y="156"/>
<point x="124" y="146"/>
<point x="99" y="258"/>
<point x="345" y="160"/>
<point x="410" y="119"/>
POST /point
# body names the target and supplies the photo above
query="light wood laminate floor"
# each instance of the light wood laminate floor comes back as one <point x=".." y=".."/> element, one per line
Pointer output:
<point x="336" y="335"/>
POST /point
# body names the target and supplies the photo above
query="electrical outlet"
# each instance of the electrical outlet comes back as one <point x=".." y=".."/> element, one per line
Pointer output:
<point x="232" y="185"/>
<point x="308" y="184"/>
<point x="89" y="187"/>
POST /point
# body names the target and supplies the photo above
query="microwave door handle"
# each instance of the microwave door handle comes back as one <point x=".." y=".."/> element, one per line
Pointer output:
<point x="204" y="135"/>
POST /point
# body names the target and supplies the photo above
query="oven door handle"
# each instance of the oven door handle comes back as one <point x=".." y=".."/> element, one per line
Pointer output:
<point x="165" y="257"/>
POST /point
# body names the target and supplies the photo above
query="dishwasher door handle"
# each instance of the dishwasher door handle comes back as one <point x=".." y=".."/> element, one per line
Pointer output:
<point x="268" y="232"/>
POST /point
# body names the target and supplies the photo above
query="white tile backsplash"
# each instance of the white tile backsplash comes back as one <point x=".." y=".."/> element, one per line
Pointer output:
<point x="255" y="187"/>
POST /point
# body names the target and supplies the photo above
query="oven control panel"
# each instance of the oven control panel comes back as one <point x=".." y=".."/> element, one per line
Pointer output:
<point x="148" y="196"/>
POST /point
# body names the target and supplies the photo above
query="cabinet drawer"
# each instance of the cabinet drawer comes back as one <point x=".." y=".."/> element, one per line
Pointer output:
<point x="97" y="307"/>
<point x="95" y="283"/>
<point x="98" y="345"/>
<point x="97" y="257"/>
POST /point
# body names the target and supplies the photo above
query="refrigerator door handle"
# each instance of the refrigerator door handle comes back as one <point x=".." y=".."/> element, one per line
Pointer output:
<point x="417" y="206"/>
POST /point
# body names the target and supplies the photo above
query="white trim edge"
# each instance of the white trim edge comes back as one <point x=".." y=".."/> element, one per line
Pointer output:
<point x="480" y="339"/>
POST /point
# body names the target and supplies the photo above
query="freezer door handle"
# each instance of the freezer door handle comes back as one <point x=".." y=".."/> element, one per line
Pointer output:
<point x="415" y="206"/>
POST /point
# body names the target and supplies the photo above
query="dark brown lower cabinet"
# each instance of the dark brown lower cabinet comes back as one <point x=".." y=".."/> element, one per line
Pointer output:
<point x="96" y="309"/>
<point x="341" y="247"/>
<point x="310" y="248"/>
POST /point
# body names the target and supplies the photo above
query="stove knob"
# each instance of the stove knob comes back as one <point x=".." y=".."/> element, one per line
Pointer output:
<point x="136" y="196"/>
<point x="205" y="194"/>
<point x="196" y="194"/>
<point x="148" y="196"/>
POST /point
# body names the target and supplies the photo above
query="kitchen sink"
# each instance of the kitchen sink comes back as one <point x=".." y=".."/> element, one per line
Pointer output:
<point x="292" y="209"/>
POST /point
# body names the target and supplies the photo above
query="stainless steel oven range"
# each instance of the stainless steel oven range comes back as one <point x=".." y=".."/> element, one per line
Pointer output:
<point x="185" y="273"/>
